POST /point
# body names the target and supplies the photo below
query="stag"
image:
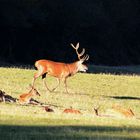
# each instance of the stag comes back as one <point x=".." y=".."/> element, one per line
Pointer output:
<point x="60" y="70"/>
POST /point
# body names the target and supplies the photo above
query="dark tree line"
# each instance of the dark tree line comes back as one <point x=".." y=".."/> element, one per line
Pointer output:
<point x="35" y="29"/>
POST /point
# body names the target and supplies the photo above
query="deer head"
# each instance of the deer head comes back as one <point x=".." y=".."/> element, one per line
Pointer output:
<point x="81" y="66"/>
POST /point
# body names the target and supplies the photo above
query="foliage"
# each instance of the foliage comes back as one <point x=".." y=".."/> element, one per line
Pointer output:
<point x="34" y="29"/>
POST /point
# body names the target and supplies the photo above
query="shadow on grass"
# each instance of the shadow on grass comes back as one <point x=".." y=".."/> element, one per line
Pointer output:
<point x="68" y="132"/>
<point x="123" y="97"/>
<point x="70" y="93"/>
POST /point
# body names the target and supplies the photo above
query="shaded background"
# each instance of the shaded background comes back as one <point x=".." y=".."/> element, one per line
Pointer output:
<point x="36" y="29"/>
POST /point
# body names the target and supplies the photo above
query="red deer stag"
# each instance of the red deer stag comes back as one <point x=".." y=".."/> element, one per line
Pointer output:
<point x="60" y="70"/>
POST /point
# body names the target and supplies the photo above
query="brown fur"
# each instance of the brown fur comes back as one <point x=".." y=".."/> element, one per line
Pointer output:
<point x="26" y="97"/>
<point x="126" y="112"/>
<point x="60" y="70"/>
<point x="72" y="111"/>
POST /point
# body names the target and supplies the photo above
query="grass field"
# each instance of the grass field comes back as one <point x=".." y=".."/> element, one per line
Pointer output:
<point x="86" y="91"/>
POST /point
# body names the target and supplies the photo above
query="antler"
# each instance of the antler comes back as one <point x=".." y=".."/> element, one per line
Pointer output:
<point x="85" y="58"/>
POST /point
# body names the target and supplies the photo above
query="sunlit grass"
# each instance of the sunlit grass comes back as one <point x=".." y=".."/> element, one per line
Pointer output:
<point x="85" y="92"/>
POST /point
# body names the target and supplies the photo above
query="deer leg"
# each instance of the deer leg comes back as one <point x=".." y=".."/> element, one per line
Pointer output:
<point x="33" y="81"/>
<point x="58" y="83"/>
<point x="37" y="74"/>
<point x="65" y="83"/>
<point x="44" y="82"/>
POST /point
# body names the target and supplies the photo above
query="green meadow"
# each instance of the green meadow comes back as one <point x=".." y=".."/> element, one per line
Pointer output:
<point x="86" y="92"/>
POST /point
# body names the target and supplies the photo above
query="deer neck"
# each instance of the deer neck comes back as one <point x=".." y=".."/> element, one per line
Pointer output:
<point x="72" y="68"/>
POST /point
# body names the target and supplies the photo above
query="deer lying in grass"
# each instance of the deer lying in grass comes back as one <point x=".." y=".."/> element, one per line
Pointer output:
<point x="72" y="111"/>
<point x="116" y="111"/>
<point x="26" y="97"/>
<point x="125" y="112"/>
<point x="2" y="96"/>
<point x="6" y="98"/>
<point x="60" y="70"/>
